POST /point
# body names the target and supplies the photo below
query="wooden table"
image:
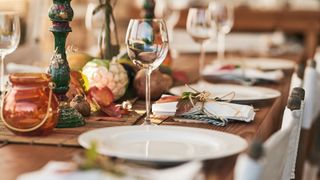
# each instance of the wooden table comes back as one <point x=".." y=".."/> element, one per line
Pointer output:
<point x="16" y="159"/>
<point x="302" y="22"/>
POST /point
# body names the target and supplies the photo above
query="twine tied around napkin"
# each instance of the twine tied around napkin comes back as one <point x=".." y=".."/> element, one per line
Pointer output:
<point x="188" y="107"/>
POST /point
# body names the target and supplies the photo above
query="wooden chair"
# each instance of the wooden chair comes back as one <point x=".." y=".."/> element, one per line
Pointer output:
<point x="289" y="171"/>
<point x="297" y="77"/>
<point x="310" y="112"/>
<point x="279" y="151"/>
<point x="312" y="163"/>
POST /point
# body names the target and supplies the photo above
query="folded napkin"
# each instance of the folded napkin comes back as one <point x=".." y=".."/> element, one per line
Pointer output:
<point x="56" y="170"/>
<point x="213" y="112"/>
<point x="230" y="71"/>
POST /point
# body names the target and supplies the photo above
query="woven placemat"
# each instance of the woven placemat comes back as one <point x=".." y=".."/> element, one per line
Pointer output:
<point x="68" y="136"/>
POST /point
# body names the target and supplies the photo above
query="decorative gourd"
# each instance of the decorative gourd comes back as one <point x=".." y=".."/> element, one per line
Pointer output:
<point x="103" y="73"/>
<point x="160" y="83"/>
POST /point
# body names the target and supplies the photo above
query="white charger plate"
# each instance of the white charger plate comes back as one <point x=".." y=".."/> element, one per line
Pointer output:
<point x="242" y="93"/>
<point x="163" y="143"/>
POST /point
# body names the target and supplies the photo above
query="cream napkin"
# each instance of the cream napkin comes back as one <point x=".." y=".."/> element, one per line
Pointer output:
<point x="229" y="111"/>
<point x="215" y="70"/>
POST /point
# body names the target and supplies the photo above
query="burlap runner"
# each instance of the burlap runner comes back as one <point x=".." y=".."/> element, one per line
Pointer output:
<point x="67" y="136"/>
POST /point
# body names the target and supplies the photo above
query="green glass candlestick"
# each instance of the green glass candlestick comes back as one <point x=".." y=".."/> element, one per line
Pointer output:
<point x="61" y="14"/>
<point x="148" y="7"/>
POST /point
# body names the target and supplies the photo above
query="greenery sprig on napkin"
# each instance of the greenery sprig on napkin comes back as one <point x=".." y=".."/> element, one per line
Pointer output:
<point x="91" y="159"/>
<point x="203" y="107"/>
<point x="190" y="100"/>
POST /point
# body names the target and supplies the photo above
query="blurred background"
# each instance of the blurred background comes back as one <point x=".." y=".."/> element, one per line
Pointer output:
<point x="272" y="22"/>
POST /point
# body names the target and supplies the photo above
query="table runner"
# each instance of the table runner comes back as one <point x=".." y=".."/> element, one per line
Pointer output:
<point x="67" y="136"/>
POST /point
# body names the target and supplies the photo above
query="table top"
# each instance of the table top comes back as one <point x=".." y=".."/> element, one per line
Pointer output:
<point x="291" y="21"/>
<point x="18" y="158"/>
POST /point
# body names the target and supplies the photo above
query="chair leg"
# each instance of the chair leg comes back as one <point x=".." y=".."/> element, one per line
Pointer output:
<point x="302" y="154"/>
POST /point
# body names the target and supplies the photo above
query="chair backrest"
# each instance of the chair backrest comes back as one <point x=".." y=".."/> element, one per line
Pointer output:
<point x="289" y="170"/>
<point x="295" y="81"/>
<point x="248" y="166"/>
<point x="317" y="68"/>
<point x="309" y="114"/>
<point x="317" y="58"/>
<point x="310" y="87"/>
<point x="297" y="76"/>
<point x="279" y="150"/>
<point x="36" y="18"/>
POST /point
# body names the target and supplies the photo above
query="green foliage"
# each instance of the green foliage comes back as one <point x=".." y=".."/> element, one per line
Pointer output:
<point x="93" y="160"/>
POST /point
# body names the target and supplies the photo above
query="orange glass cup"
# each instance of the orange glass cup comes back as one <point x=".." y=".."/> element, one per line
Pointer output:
<point x="29" y="107"/>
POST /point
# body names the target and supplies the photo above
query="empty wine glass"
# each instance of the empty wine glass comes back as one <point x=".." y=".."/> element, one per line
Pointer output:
<point x="199" y="27"/>
<point x="169" y="10"/>
<point x="222" y="16"/>
<point x="9" y="37"/>
<point x="147" y="45"/>
<point x="94" y="22"/>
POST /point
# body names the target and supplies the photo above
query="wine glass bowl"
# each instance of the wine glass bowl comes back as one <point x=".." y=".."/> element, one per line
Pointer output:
<point x="9" y="32"/>
<point x="222" y="18"/>
<point x="147" y="46"/>
<point x="199" y="27"/>
<point x="9" y="37"/>
<point x="169" y="10"/>
<point x="144" y="54"/>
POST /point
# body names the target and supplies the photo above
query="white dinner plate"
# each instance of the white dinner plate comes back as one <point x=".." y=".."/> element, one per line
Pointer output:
<point x="242" y="93"/>
<point x="163" y="143"/>
<point x="262" y="63"/>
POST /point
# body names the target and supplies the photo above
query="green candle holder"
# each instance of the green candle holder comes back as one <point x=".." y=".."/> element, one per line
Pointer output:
<point x="61" y="13"/>
<point x="148" y="7"/>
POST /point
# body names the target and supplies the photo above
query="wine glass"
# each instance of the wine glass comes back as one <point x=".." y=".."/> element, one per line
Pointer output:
<point x="169" y="10"/>
<point x="222" y="16"/>
<point x="94" y="23"/>
<point x="199" y="27"/>
<point x="9" y="37"/>
<point x="147" y="45"/>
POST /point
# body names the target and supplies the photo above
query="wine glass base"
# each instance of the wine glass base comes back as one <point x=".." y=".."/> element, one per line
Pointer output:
<point x="148" y="123"/>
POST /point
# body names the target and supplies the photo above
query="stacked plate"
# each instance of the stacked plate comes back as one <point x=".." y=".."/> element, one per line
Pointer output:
<point x="242" y="93"/>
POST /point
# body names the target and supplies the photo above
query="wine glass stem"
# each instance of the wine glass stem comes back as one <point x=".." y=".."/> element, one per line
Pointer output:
<point x="2" y="73"/>
<point x="221" y="46"/>
<point x="201" y="60"/>
<point x="171" y="23"/>
<point x="148" y="72"/>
